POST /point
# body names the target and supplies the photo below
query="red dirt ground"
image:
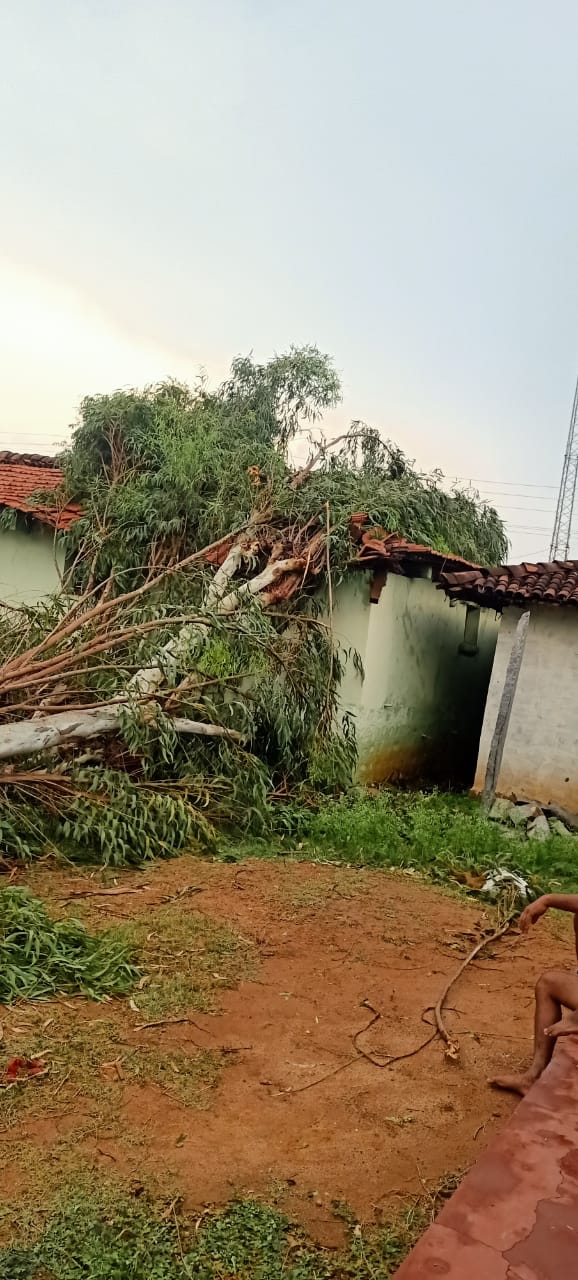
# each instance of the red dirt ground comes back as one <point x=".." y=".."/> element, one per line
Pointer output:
<point x="328" y="939"/>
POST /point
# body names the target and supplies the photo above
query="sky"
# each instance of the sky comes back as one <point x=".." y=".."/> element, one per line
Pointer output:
<point x="396" y="182"/>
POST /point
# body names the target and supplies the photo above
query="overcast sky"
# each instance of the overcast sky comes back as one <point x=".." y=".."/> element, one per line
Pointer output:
<point x="397" y="182"/>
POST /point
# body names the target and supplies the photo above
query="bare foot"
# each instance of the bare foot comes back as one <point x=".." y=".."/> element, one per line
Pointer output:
<point x="516" y="1084"/>
<point x="566" y="1027"/>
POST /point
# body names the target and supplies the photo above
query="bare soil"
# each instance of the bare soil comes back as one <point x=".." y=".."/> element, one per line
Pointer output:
<point x="276" y="1118"/>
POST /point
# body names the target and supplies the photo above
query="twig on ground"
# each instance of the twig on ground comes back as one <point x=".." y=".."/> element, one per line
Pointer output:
<point x="452" y="1046"/>
<point x="361" y="1053"/>
<point x="185" y="892"/>
<point x="312" y="1083"/>
<point x="172" y="1022"/>
<point x="62" y="1084"/>
<point x="390" y="1059"/>
<point x="101" y="893"/>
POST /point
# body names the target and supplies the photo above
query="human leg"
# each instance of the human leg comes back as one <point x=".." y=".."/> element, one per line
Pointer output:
<point x="554" y="990"/>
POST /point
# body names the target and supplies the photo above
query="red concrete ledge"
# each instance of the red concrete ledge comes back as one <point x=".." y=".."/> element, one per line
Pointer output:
<point x="515" y="1215"/>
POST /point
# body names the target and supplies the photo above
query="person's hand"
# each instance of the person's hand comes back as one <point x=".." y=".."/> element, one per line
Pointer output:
<point x="532" y="913"/>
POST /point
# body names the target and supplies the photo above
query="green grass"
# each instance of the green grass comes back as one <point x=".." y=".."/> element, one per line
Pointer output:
<point x="431" y="832"/>
<point x="437" y="834"/>
<point x="107" y="1235"/>
<point x="40" y="957"/>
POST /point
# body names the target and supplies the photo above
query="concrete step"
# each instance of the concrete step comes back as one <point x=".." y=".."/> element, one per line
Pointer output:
<point x="515" y="1215"/>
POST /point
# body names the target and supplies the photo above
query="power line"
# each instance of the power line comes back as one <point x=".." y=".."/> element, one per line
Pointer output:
<point x="522" y="484"/>
<point x="540" y="511"/>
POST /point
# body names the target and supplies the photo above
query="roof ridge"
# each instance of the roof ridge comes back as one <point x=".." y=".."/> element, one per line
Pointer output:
<point x="10" y="458"/>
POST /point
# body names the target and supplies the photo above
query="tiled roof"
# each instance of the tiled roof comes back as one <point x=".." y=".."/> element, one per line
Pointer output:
<point x="19" y="479"/>
<point x="555" y="583"/>
<point x="378" y="549"/>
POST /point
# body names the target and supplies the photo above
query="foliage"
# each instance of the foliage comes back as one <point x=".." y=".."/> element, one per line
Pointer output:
<point x="109" y="1236"/>
<point x="164" y="471"/>
<point x="40" y="957"/>
<point x="97" y="815"/>
<point x="8" y="519"/>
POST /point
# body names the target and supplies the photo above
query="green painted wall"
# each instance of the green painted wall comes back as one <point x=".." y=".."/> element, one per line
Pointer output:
<point x="28" y="564"/>
<point x="419" y="706"/>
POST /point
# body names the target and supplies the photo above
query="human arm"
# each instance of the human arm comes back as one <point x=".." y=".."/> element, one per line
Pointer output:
<point x="557" y="901"/>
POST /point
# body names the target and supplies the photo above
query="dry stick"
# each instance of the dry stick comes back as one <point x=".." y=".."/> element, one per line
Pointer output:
<point x="101" y="893"/>
<point x="301" y="476"/>
<point x="23" y="676"/>
<point x="441" y="1029"/>
<point x="398" y="1057"/>
<point x="172" y="1022"/>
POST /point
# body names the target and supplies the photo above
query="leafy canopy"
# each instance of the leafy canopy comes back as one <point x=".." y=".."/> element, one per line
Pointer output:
<point x="167" y="470"/>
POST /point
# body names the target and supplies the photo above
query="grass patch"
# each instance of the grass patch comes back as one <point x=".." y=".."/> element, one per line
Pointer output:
<point x="188" y="958"/>
<point x="432" y="832"/>
<point x="40" y="957"/>
<point x="106" y="1235"/>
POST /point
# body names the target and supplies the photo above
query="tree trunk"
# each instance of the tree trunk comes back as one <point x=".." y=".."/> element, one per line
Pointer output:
<point x="26" y="737"/>
<point x="149" y="679"/>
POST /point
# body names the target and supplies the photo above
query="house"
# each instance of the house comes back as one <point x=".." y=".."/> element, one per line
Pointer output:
<point x="31" y="541"/>
<point x="418" y="665"/>
<point x="540" y="760"/>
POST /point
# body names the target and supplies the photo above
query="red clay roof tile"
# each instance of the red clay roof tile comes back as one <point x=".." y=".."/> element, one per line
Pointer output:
<point x="19" y="480"/>
<point x="553" y="583"/>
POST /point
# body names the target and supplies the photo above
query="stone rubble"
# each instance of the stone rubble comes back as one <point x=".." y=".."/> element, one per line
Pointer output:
<point x="528" y="815"/>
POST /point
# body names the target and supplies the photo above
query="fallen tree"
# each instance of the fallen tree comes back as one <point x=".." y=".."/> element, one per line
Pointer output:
<point x="187" y="645"/>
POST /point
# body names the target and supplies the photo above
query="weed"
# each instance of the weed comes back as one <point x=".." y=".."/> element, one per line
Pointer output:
<point x="110" y="1236"/>
<point x="40" y="956"/>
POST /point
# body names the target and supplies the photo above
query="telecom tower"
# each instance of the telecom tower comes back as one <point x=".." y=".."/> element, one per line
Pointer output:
<point x="560" y="544"/>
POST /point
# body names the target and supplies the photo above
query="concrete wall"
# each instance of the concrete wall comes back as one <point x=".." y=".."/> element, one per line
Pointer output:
<point x="27" y="564"/>
<point x="540" y="760"/>
<point x="419" y="706"/>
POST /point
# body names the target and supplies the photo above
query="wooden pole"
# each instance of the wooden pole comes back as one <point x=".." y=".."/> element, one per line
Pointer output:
<point x="506" y="703"/>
